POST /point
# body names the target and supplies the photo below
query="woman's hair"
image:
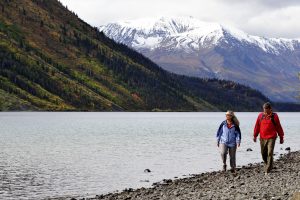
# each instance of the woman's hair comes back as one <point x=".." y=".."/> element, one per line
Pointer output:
<point x="234" y="118"/>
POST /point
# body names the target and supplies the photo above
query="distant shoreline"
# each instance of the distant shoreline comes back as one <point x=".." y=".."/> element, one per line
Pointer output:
<point x="249" y="182"/>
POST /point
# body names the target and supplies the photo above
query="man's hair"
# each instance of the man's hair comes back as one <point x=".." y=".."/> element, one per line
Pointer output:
<point x="267" y="105"/>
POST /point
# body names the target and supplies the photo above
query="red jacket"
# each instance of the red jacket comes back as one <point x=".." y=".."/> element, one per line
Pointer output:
<point x="266" y="128"/>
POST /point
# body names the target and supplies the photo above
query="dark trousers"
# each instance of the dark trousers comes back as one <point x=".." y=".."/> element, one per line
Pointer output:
<point x="267" y="149"/>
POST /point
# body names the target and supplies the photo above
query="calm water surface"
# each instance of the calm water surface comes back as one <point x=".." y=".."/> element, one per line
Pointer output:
<point x="83" y="154"/>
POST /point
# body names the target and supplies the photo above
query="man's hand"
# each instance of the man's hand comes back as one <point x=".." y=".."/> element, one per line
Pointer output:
<point x="254" y="139"/>
<point x="281" y="141"/>
<point x="238" y="144"/>
<point x="218" y="144"/>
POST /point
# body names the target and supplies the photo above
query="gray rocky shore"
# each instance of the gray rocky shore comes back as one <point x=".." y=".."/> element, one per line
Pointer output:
<point x="249" y="182"/>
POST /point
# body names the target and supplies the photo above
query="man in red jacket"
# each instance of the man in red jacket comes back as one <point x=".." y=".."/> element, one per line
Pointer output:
<point x="268" y="126"/>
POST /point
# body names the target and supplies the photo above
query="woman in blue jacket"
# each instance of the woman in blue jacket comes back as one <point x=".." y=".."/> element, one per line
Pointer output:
<point x="228" y="139"/>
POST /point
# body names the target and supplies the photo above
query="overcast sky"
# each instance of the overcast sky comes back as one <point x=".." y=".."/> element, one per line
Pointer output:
<point x="269" y="18"/>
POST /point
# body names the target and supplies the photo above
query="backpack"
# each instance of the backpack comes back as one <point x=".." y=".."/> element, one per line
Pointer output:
<point x="272" y="118"/>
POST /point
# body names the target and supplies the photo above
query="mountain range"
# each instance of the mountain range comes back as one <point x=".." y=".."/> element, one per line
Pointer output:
<point x="188" y="46"/>
<point x="51" y="60"/>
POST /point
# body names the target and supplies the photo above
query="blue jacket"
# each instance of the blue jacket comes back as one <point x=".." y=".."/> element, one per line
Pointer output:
<point x="228" y="136"/>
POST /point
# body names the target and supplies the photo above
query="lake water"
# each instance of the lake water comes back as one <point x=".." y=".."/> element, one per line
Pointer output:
<point x="83" y="154"/>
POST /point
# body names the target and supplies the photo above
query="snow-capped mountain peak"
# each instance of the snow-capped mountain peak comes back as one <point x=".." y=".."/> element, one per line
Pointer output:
<point x="186" y="33"/>
<point x="150" y="32"/>
<point x="168" y="25"/>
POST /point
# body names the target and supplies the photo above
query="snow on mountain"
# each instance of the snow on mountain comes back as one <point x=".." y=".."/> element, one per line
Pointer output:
<point x="188" y="33"/>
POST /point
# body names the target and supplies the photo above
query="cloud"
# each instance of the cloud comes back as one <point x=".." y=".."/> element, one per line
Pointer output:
<point x="270" y="18"/>
<point x="267" y="4"/>
<point x="277" y="23"/>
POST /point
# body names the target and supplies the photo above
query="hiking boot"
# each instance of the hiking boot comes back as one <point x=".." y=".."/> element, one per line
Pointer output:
<point x="224" y="168"/>
<point x="232" y="170"/>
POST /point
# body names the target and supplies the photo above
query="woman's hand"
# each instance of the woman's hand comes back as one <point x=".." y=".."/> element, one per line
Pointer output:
<point x="218" y="144"/>
<point x="238" y="144"/>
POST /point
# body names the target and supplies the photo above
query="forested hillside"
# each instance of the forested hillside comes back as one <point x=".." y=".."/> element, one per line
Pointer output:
<point x="52" y="60"/>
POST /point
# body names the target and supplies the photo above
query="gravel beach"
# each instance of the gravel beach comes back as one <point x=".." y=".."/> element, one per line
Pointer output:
<point x="249" y="182"/>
